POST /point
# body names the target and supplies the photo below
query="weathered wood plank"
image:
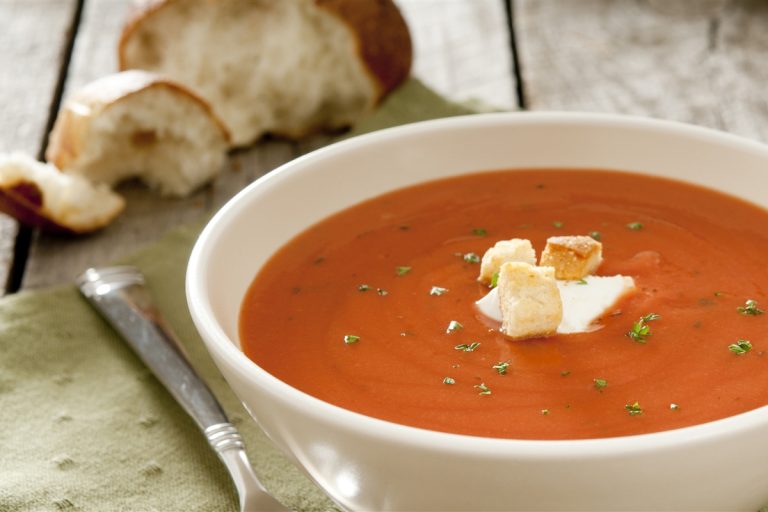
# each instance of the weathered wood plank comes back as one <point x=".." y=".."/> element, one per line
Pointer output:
<point x="461" y="50"/>
<point x="33" y="37"/>
<point x="695" y="62"/>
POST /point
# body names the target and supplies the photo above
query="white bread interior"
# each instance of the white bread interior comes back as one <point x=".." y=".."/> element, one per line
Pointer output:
<point x="287" y="67"/>
<point x="39" y="195"/>
<point x="573" y="257"/>
<point x="516" y="249"/>
<point x="530" y="301"/>
<point x="137" y="124"/>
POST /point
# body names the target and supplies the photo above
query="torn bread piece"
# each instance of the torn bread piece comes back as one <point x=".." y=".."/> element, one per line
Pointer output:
<point x="137" y="124"/>
<point x="38" y="195"/>
<point x="287" y="67"/>
<point x="517" y="249"/>
<point x="530" y="300"/>
<point x="572" y="257"/>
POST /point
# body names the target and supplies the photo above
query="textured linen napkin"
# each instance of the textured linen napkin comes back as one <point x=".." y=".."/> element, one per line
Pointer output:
<point x="85" y="426"/>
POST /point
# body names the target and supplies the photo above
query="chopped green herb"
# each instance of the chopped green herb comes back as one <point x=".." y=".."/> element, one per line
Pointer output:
<point x="501" y="367"/>
<point x="401" y="271"/>
<point x="382" y="291"/>
<point x="437" y="290"/>
<point x="471" y="257"/>
<point x="558" y="224"/>
<point x="635" y="226"/>
<point x="600" y="384"/>
<point x="741" y="347"/>
<point x="351" y="338"/>
<point x="750" y="308"/>
<point x="718" y="294"/>
<point x="545" y="412"/>
<point x="363" y="288"/>
<point x="495" y="279"/>
<point x="641" y="330"/>
<point x="674" y="407"/>
<point x="484" y="390"/>
<point x="595" y="235"/>
<point x="582" y="281"/>
<point x="479" y="231"/>
<point x="449" y="380"/>
<point x="565" y="373"/>
<point x="634" y="409"/>
<point x="453" y="326"/>
<point x="467" y="348"/>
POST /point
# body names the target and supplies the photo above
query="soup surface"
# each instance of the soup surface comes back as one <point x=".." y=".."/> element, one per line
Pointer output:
<point x="356" y="309"/>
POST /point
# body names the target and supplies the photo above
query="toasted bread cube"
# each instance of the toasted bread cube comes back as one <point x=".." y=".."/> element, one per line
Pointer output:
<point x="530" y="301"/>
<point x="517" y="249"/>
<point x="573" y="257"/>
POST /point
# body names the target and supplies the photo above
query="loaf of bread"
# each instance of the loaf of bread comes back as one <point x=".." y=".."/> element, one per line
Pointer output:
<point x="137" y="124"/>
<point x="286" y="67"/>
<point x="38" y="195"/>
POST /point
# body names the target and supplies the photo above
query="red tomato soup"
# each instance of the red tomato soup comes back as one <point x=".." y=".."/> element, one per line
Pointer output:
<point x="346" y="311"/>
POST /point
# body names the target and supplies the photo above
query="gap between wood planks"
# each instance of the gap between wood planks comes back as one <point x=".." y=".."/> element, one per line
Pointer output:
<point x="25" y="234"/>
<point x="509" y="7"/>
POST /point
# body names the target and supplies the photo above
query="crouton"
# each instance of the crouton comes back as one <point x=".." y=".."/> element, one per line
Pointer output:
<point x="530" y="301"/>
<point x="573" y="257"/>
<point x="517" y="249"/>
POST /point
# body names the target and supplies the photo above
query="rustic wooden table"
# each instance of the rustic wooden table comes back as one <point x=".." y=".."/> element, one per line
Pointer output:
<point x="699" y="61"/>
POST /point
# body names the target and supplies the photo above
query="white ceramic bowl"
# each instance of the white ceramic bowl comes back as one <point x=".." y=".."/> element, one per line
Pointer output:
<point x="370" y="464"/>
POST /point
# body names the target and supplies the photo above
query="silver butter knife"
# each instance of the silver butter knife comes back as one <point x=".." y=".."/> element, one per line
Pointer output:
<point x="119" y="295"/>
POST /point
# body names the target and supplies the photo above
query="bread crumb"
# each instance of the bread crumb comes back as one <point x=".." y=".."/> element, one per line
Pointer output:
<point x="517" y="249"/>
<point x="530" y="300"/>
<point x="572" y="257"/>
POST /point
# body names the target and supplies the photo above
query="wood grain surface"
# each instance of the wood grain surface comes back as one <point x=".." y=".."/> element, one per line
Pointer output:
<point x="34" y="35"/>
<point x="462" y="50"/>
<point x="699" y="62"/>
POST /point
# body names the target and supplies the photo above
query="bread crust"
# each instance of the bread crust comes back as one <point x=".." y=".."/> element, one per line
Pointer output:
<point x="23" y="201"/>
<point x="382" y="36"/>
<point x="70" y="131"/>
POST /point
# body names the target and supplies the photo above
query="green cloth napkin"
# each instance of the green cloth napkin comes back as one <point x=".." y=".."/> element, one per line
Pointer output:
<point x="85" y="426"/>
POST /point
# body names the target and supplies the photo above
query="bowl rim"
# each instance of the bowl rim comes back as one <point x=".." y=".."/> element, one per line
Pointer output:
<point x="217" y="341"/>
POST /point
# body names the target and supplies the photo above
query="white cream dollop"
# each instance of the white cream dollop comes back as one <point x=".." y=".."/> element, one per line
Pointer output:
<point x="582" y="303"/>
